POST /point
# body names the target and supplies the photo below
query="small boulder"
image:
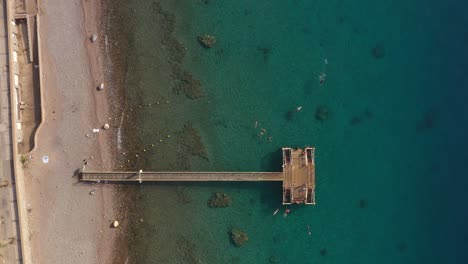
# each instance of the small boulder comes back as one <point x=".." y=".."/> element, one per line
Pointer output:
<point x="239" y="237"/>
<point x="207" y="41"/>
<point x="115" y="224"/>
<point x="106" y="126"/>
<point x="93" y="38"/>
<point x="100" y="87"/>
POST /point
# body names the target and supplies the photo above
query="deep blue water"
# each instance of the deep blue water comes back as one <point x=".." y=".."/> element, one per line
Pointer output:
<point x="391" y="154"/>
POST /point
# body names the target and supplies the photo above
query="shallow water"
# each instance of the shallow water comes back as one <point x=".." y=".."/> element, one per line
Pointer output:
<point x="390" y="151"/>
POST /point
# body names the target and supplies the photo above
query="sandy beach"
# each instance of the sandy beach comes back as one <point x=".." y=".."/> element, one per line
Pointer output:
<point x="69" y="222"/>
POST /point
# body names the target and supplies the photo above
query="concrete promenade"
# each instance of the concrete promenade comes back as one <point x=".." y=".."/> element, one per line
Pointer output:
<point x="10" y="247"/>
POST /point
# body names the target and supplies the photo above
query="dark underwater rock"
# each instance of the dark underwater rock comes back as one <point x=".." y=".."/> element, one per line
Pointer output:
<point x="206" y="40"/>
<point x="322" y="113"/>
<point x="219" y="200"/>
<point x="378" y="51"/>
<point x="239" y="237"/>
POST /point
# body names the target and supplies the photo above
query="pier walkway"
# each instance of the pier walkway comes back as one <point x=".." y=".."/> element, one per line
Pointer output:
<point x="144" y="176"/>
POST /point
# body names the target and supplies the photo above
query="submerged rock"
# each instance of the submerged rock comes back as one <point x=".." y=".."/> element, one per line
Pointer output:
<point x="219" y="200"/>
<point x="273" y="260"/>
<point x="239" y="237"/>
<point x="322" y="113"/>
<point x="190" y="138"/>
<point x="207" y="41"/>
<point x="188" y="84"/>
<point x="378" y="51"/>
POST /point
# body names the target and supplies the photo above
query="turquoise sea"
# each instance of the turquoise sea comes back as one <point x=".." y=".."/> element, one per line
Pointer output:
<point x="391" y="78"/>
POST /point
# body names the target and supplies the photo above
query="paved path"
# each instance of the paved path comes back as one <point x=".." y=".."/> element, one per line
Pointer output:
<point x="9" y="227"/>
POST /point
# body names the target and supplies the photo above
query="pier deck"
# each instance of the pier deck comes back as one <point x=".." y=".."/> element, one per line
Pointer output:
<point x="120" y="176"/>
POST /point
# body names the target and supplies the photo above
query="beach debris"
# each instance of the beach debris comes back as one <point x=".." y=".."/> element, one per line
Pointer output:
<point x="45" y="159"/>
<point x="378" y="51"/>
<point x="93" y="38"/>
<point x="322" y="113"/>
<point x="101" y="87"/>
<point x="95" y="130"/>
<point x="115" y="224"/>
<point x="106" y="126"/>
<point x="206" y="40"/>
<point x="239" y="237"/>
<point x="219" y="200"/>
<point x="93" y="192"/>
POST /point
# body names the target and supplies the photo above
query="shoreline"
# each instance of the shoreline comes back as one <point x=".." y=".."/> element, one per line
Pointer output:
<point x="73" y="219"/>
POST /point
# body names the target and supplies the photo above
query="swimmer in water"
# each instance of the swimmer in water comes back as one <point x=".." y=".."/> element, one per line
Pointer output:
<point x="286" y="212"/>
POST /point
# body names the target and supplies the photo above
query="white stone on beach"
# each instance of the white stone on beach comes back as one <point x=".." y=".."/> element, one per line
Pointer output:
<point x="115" y="224"/>
<point x="106" y="126"/>
<point x="93" y="38"/>
<point x="101" y="86"/>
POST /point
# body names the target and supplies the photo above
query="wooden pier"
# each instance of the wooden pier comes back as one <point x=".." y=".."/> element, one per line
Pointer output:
<point x="298" y="176"/>
<point x="146" y="176"/>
